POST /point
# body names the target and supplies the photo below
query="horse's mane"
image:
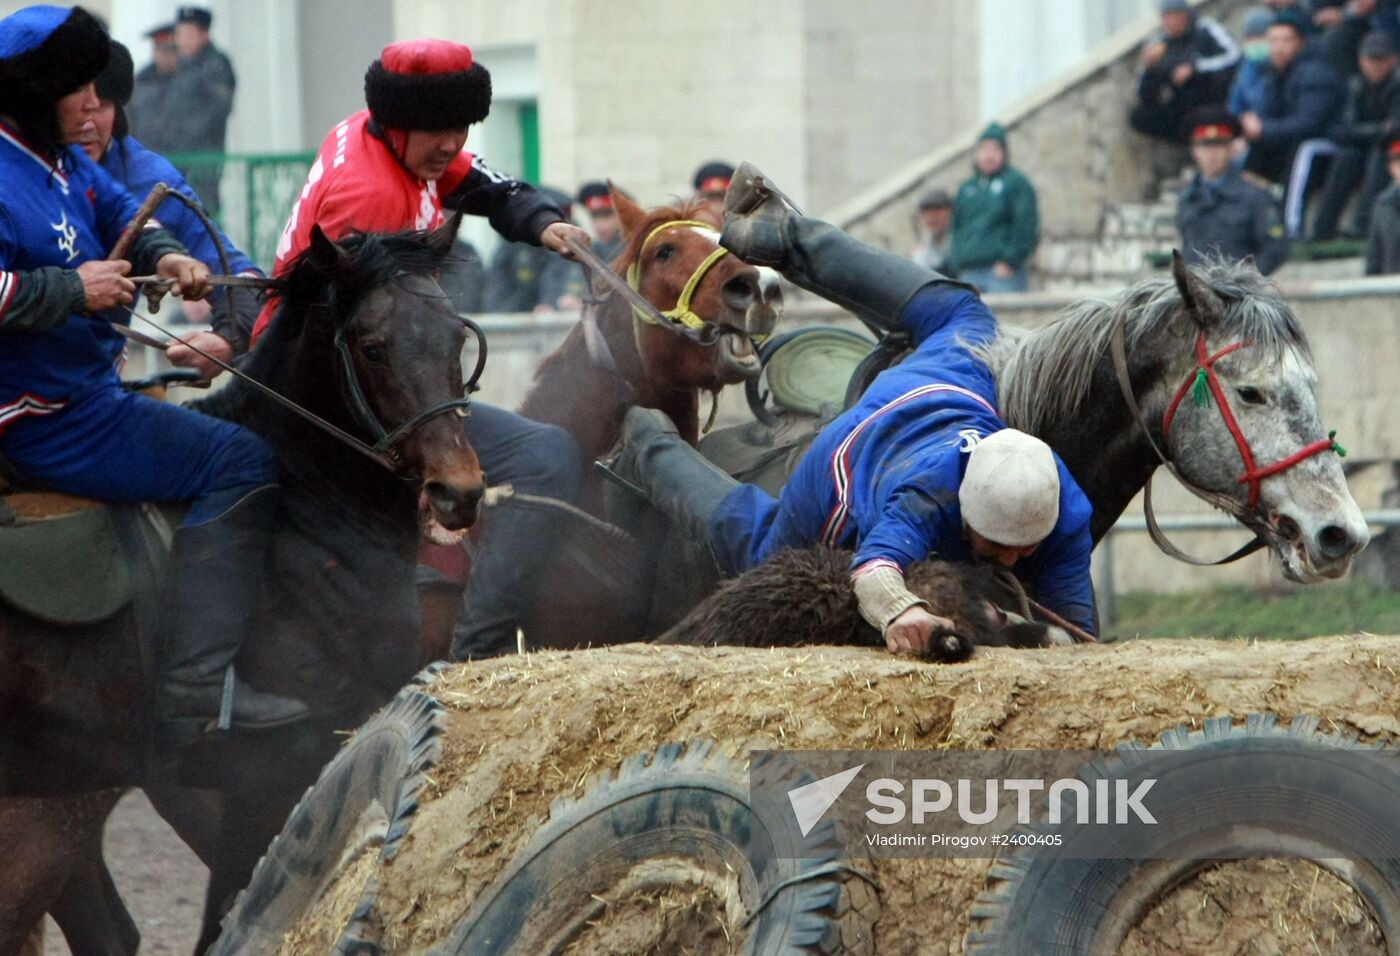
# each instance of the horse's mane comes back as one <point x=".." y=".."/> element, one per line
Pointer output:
<point x="370" y="260"/>
<point x="1043" y="375"/>
<point x="690" y="209"/>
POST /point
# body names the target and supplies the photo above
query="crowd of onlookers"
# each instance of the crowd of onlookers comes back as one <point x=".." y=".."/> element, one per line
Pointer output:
<point x="1305" y="105"/>
<point x="1300" y="111"/>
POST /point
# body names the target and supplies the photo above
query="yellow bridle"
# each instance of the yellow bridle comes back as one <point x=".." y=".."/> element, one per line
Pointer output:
<point x="682" y="313"/>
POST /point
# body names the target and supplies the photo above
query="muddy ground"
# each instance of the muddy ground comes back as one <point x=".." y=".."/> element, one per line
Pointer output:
<point x="521" y="732"/>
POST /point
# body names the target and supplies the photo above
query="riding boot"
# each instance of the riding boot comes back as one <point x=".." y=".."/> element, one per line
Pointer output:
<point x="680" y="483"/>
<point x="218" y="575"/>
<point x="761" y="228"/>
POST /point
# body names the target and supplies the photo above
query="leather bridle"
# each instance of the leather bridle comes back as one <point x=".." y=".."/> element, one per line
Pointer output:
<point x="1203" y="383"/>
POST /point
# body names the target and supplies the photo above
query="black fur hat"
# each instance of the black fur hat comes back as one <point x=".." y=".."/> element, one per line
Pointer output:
<point x="46" y="53"/>
<point x="117" y="80"/>
<point x="427" y="84"/>
<point x="116" y="83"/>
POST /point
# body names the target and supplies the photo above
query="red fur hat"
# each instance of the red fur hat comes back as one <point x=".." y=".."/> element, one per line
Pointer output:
<point x="427" y="84"/>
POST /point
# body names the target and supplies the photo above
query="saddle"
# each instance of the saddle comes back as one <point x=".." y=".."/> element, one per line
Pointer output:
<point x="71" y="561"/>
<point x="813" y="375"/>
<point x="74" y="561"/>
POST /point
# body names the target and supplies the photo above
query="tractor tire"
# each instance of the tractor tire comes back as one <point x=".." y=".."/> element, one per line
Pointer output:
<point x="1043" y="904"/>
<point x="363" y="802"/>
<point x="678" y="817"/>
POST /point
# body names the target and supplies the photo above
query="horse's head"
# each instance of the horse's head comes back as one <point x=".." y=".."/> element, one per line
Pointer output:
<point x="718" y="305"/>
<point x="1238" y="401"/>
<point x="398" y="347"/>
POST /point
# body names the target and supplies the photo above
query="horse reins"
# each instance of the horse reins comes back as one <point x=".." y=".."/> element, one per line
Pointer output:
<point x="1202" y="382"/>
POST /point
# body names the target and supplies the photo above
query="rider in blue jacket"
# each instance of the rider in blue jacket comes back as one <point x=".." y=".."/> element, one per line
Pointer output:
<point x="139" y="169"/>
<point x="922" y="465"/>
<point x="65" y="422"/>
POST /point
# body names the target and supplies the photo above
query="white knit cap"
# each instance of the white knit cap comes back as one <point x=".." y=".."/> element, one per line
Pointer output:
<point x="1010" y="494"/>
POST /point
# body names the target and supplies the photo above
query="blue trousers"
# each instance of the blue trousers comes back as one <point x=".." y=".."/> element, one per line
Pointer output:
<point x="116" y="446"/>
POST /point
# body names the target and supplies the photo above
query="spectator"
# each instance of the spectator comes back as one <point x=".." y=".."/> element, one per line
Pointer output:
<point x="200" y="99"/>
<point x="1345" y="26"/>
<point x="1187" y="64"/>
<point x="1372" y="109"/>
<point x="1248" y="91"/>
<point x="936" y="234"/>
<point x="1383" y="242"/>
<point x="995" y="222"/>
<point x="1302" y="99"/>
<point x="711" y="181"/>
<point x="607" y="231"/>
<point x="148" y="114"/>
<point x="1219" y="212"/>
<point x="463" y="278"/>
<point x="528" y="278"/>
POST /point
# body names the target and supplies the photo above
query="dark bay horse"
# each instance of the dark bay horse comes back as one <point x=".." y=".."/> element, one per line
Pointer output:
<point x="364" y="340"/>
<point x="719" y="307"/>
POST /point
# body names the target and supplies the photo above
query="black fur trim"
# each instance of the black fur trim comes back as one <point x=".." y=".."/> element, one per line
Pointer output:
<point x="117" y="80"/>
<point x="412" y="101"/>
<point x="73" y="54"/>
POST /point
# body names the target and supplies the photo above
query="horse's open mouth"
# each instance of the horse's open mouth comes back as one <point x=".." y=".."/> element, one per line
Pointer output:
<point x="434" y="530"/>
<point x="738" y="355"/>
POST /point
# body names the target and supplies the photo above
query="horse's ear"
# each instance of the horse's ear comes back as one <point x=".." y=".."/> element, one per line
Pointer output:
<point x="440" y="239"/>
<point x="330" y="257"/>
<point x="629" y="214"/>
<point x="1202" y="304"/>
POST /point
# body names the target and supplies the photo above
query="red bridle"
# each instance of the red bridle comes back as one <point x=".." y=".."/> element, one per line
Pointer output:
<point x="1203" y="382"/>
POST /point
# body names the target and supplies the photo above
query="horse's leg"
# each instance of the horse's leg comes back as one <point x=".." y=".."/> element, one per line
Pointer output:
<point x="41" y="842"/>
<point x="192" y="813"/>
<point x="249" y="822"/>
<point x="90" y="911"/>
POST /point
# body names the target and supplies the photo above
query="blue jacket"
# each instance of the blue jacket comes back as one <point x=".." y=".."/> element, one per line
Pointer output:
<point x="883" y="478"/>
<point x="139" y="169"/>
<point x="55" y="217"/>
<point x="1302" y="102"/>
<point x="1249" y="92"/>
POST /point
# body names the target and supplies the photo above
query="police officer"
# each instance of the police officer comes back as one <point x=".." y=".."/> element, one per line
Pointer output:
<point x="596" y="198"/>
<point x="1220" y="212"/>
<point x="200" y="97"/>
<point x="529" y="278"/>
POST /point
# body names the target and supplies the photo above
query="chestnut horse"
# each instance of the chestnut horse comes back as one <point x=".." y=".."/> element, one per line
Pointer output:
<point x="363" y="340"/>
<point x="615" y="357"/>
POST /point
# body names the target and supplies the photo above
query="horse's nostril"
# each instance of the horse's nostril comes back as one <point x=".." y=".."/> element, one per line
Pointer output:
<point x="740" y="290"/>
<point x="1333" y="541"/>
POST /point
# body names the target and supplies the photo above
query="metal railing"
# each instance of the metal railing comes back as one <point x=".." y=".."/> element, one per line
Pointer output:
<point x="252" y="196"/>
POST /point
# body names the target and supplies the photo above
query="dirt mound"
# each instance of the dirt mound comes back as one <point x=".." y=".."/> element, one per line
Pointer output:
<point x="524" y="731"/>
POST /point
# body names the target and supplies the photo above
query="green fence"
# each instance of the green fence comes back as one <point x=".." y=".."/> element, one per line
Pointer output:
<point x="255" y="194"/>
